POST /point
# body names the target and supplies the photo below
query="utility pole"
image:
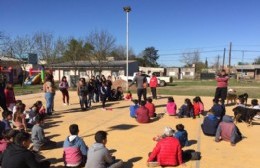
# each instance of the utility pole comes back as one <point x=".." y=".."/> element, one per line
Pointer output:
<point x="223" y="64"/>
<point x="218" y="63"/>
<point x="229" y="59"/>
<point x="242" y="73"/>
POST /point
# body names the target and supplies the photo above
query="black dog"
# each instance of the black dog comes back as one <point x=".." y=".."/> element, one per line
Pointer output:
<point x="244" y="97"/>
<point x="244" y="114"/>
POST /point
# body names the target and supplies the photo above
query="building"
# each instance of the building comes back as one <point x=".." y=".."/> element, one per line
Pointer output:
<point x="87" y="69"/>
<point x="248" y="72"/>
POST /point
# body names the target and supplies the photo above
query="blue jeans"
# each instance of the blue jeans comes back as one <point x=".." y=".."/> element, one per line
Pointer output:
<point x="49" y="102"/>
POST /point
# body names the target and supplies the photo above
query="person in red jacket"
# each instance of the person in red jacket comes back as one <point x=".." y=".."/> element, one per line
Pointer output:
<point x="153" y="84"/>
<point x="196" y="108"/>
<point x="150" y="106"/>
<point x="222" y="84"/>
<point x="167" y="151"/>
<point x="9" y="96"/>
<point x="142" y="113"/>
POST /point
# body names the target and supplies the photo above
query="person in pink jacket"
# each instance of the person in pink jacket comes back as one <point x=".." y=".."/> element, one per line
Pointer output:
<point x="222" y="84"/>
<point x="171" y="107"/>
<point x="153" y="84"/>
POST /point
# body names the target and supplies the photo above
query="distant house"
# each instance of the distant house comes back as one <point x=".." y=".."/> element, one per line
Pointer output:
<point x="87" y="69"/>
<point x="187" y="73"/>
<point x="11" y="68"/>
<point x="181" y="73"/>
<point x="173" y="72"/>
<point x="248" y="72"/>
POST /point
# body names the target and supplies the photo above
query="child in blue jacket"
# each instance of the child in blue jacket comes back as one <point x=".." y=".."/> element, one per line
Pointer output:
<point x="133" y="108"/>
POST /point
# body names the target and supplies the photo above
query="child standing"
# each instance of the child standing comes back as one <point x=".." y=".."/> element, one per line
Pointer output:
<point x="83" y="93"/>
<point x="75" y="149"/>
<point x="182" y="135"/>
<point x="103" y="94"/>
<point x="151" y="108"/>
<point x="9" y="96"/>
<point x="64" y="86"/>
<point x="171" y="107"/>
<point x="38" y="138"/>
<point x="133" y="108"/>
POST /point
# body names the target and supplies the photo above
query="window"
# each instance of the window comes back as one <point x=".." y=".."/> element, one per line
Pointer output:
<point x="66" y="73"/>
<point x="187" y="73"/>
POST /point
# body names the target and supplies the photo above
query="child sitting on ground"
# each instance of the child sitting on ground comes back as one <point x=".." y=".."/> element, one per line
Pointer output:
<point x="133" y="108"/>
<point x="210" y="124"/>
<point x="200" y="104"/>
<point x="40" y="142"/>
<point x="255" y="105"/>
<point x="186" y="109"/>
<point x="36" y="109"/>
<point x="196" y="108"/>
<point x="7" y="117"/>
<point x="128" y="95"/>
<point x="171" y="107"/>
<point x="150" y="106"/>
<point x="241" y="102"/>
<point x="182" y="135"/>
<point x="142" y="113"/>
<point x="6" y="138"/>
<point x="75" y="149"/>
<point x="217" y="109"/>
<point x="19" y="118"/>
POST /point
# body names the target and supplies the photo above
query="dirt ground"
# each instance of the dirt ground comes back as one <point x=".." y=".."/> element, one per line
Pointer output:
<point x="131" y="141"/>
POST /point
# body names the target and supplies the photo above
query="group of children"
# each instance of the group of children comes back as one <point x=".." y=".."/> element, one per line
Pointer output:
<point x="147" y="109"/>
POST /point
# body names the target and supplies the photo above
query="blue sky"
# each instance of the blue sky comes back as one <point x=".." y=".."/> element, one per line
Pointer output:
<point x="171" y="26"/>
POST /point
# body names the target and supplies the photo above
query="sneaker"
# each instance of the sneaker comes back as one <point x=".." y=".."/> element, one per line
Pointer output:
<point x="257" y="116"/>
<point x="64" y="104"/>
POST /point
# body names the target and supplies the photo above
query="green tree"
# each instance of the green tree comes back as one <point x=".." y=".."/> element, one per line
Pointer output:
<point x="75" y="52"/>
<point x="149" y="57"/>
<point x="257" y="60"/>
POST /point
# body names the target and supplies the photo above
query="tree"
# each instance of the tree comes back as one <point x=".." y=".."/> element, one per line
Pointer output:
<point x="74" y="53"/>
<point x="150" y="57"/>
<point x="21" y="47"/>
<point x="60" y="47"/>
<point x="119" y="53"/>
<point x="257" y="60"/>
<point x="45" y="46"/>
<point x="189" y="58"/>
<point x="102" y="44"/>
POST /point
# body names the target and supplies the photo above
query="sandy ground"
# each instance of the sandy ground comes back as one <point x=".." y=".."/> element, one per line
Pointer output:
<point x="131" y="141"/>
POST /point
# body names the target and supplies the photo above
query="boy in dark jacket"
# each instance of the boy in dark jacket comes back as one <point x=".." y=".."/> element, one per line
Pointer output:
<point x="18" y="156"/>
<point x="75" y="149"/>
<point x="210" y="124"/>
<point x="228" y="131"/>
<point x="218" y="109"/>
<point x="182" y="135"/>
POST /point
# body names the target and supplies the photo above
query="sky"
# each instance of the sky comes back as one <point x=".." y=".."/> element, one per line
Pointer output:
<point x="171" y="26"/>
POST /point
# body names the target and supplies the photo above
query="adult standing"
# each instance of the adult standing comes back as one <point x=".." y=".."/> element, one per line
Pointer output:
<point x="82" y="90"/>
<point x="141" y="84"/>
<point x="222" y="84"/>
<point x="49" y="89"/>
<point x="153" y="84"/>
<point x="64" y="86"/>
<point x="2" y="94"/>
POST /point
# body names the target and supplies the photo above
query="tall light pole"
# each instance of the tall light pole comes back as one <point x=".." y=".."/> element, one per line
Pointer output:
<point x="127" y="9"/>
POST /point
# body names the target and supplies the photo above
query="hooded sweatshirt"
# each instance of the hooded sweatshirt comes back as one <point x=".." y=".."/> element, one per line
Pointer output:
<point x="98" y="156"/>
<point x="228" y="131"/>
<point x="210" y="125"/>
<point x="19" y="157"/>
<point x="75" y="150"/>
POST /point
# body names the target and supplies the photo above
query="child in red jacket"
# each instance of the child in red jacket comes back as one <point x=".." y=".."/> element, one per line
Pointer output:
<point x="196" y="108"/>
<point x="150" y="106"/>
